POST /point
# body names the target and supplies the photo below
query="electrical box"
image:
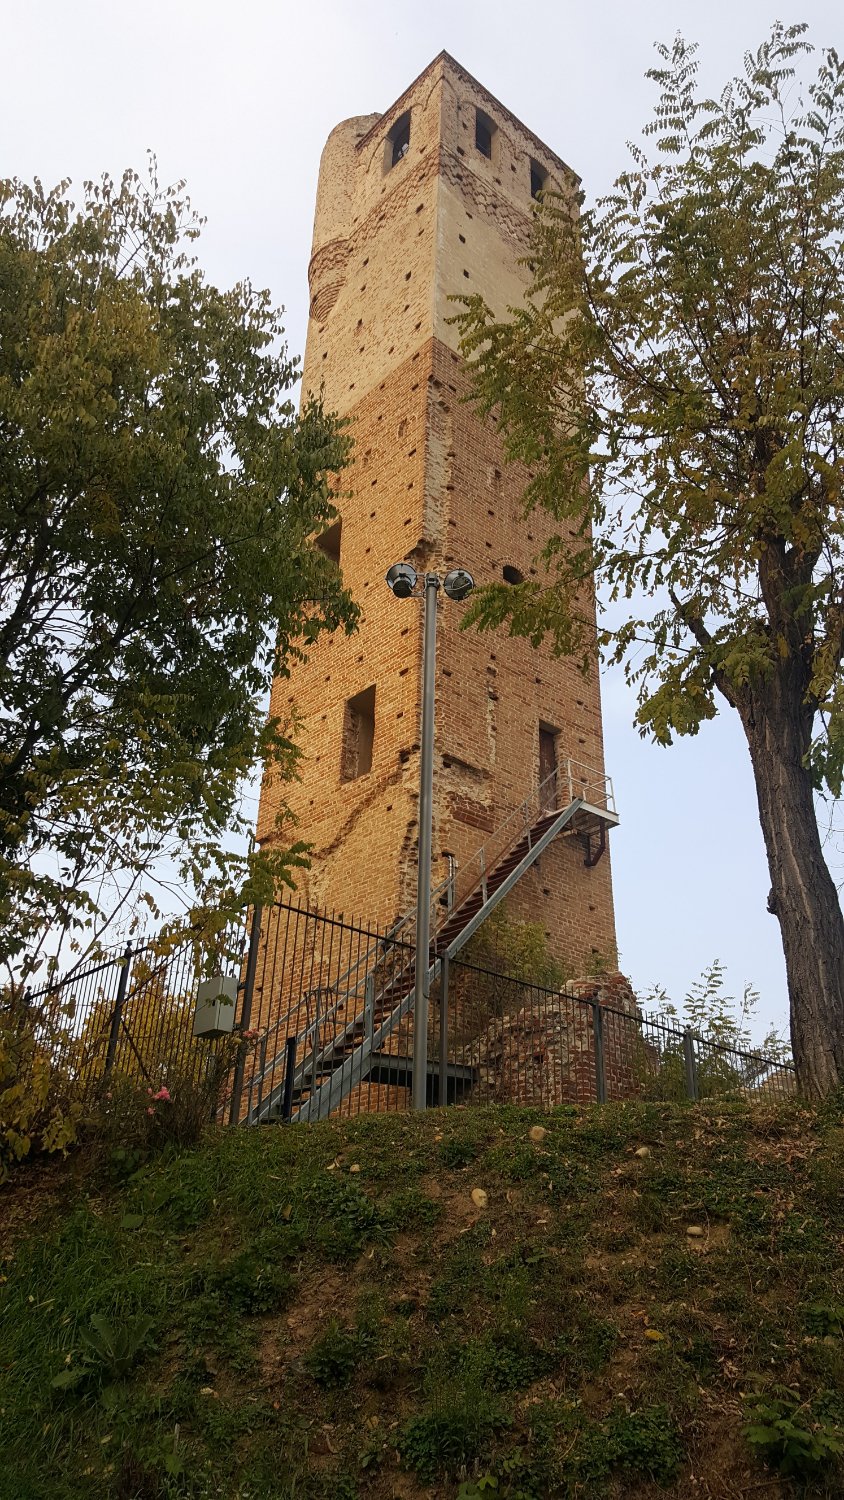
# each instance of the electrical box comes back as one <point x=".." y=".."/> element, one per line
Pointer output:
<point x="214" y="1013"/>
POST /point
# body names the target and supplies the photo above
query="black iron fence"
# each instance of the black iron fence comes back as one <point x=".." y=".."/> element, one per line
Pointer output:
<point x="131" y="1014"/>
<point x="323" y="1011"/>
<point x="522" y="1042"/>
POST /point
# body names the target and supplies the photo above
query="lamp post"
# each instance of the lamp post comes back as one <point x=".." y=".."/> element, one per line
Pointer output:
<point x="457" y="584"/>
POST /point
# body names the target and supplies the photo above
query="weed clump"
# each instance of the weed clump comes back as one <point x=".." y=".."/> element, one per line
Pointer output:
<point x="444" y="1439"/>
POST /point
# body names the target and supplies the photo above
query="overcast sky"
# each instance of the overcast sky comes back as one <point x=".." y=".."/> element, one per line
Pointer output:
<point x="237" y="97"/>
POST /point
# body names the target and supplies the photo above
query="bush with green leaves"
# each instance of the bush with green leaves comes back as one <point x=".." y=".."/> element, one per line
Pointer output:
<point x="38" y="1111"/>
<point x="789" y="1435"/>
<point x="453" y="1431"/>
<point x="335" y="1356"/>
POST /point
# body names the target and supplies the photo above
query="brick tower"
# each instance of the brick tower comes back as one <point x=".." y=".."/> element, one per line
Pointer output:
<point x="431" y="198"/>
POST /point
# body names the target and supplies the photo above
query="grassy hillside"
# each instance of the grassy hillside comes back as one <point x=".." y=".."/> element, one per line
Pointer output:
<point x="442" y="1306"/>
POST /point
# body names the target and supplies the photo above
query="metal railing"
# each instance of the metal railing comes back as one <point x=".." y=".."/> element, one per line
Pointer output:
<point x="130" y="1013"/>
<point x="566" y="784"/>
<point x="493" y="1037"/>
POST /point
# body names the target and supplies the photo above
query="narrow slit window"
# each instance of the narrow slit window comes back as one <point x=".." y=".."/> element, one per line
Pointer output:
<point x="329" y="542"/>
<point x="398" y="141"/>
<point x="484" y="133"/>
<point x="358" y="735"/>
<point x="538" y="179"/>
<point x="547" y="767"/>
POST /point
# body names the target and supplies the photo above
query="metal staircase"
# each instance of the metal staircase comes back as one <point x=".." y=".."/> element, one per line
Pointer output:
<point x="345" y="1038"/>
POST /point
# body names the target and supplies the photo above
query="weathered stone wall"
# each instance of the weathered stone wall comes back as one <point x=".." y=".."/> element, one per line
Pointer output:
<point x="543" y="1052"/>
<point x="428" y="483"/>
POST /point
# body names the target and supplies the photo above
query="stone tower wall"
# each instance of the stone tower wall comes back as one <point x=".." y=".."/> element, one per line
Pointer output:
<point x="392" y="245"/>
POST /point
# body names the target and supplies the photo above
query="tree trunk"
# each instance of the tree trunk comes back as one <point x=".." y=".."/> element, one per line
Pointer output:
<point x="803" y="894"/>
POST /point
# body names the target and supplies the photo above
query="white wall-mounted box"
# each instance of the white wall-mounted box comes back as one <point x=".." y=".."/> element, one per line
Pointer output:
<point x="214" y="1013"/>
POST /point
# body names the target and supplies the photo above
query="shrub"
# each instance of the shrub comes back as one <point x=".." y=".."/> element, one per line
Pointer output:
<point x="37" y="1110"/>
<point x="134" y="1118"/>
<point x="789" y="1436"/>
<point x="335" y="1356"/>
<point x="452" y="1433"/>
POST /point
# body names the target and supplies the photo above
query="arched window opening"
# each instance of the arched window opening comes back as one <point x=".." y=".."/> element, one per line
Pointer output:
<point x="511" y="574"/>
<point x="538" y="179"/>
<point x="398" y="141"/>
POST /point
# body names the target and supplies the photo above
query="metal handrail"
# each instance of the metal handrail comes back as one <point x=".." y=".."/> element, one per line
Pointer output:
<point x="349" y="991"/>
<point x="576" y="778"/>
<point x="523" y="819"/>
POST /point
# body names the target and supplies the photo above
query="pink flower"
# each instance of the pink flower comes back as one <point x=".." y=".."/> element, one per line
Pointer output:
<point x="150" y="1111"/>
<point x="249" y="1036"/>
<point x="163" y="1093"/>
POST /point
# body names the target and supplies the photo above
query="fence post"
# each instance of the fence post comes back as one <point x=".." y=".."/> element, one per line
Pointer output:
<point x="246" y="1012"/>
<point x="369" y="1007"/>
<point x="289" y="1073"/>
<point x="691" y="1065"/>
<point x="117" y="1013"/>
<point x="598" y="1035"/>
<point x="443" y="1094"/>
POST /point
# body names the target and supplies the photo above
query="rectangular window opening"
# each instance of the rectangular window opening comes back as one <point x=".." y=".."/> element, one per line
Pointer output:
<point x="547" y="767"/>
<point x="329" y="542"/>
<point x="538" y="178"/>
<point x="484" y="133"/>
<point x="358" y="735"/>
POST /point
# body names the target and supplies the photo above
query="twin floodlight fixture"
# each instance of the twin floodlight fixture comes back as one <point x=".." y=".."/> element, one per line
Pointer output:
<point x="403" y="578"/>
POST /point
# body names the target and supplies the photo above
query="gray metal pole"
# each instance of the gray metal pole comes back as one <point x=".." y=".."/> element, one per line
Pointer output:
<point x="246" y="1011"/>
<point x="598" y="1038"/>
<point x="117" y="1013"/>
<point x="443" y="1094"/>
<point x="690" y="1062"/>
<point x="423" y="879"/>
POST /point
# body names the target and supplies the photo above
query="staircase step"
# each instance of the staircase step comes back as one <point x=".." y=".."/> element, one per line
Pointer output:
<point x="395" y="986"/>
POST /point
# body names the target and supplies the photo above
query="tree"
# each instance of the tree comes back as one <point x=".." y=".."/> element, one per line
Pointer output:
<point x="159" y="499"/>
<point x="682" y="343"/>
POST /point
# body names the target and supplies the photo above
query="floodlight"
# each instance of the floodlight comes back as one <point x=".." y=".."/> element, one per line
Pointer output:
<point x="458" y="583"/>
<point x="402" y="580"/>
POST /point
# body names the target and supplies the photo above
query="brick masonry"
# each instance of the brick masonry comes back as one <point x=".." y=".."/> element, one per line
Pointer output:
<point x="392" y="245"/>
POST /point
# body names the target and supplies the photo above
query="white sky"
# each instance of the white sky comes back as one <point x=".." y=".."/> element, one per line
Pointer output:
<point x="238" y="98"/>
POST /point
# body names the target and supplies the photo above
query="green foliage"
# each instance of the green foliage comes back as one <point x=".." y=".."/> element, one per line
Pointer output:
<point x="517" y="949"/>
<point x="720" y="1021"/>
<point x="635" y="1443"/>
<point x="451" y="1434"/>
<point x="825" y="1319"/>
<point x="688" y="407"/>
<point x="511" y="1480"/>
<point x="672" y="383"/>
<point x="506" y="1359"/>
<point x="784" y="1431"/>
<point x="252" y="1283"/>
<point x="488" y="1350"/>
<point x="37" y="1108"/>
<point x="586" y="1343"/>
<point x="336" y="1355"/>
<point x="573" y="1454"/>
<point x="159" y="497"/>
<point x="345" y="1218"/>
<point x="109" y="1352"/>
<point x="458" y="1152"/>
<point x="720" y="1018"/>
